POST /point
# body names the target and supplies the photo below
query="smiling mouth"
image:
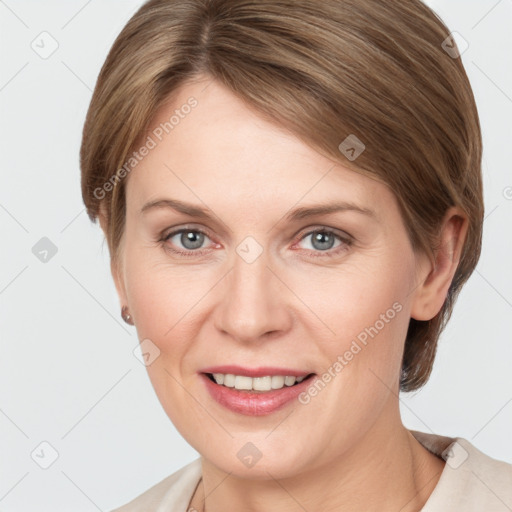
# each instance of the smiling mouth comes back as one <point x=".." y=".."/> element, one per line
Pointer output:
<point x="256" y="385"/>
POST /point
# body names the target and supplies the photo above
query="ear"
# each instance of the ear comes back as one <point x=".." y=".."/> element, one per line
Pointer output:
<point x="115" y="269"/>
<point x="435" y="275"/>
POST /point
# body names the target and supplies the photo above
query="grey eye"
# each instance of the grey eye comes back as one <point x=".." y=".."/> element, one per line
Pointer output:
<point x="191" y="239"/>
<point x="321" y="240"/>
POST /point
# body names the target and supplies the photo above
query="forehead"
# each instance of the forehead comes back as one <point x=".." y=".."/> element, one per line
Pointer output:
<point x="208" y="144"/>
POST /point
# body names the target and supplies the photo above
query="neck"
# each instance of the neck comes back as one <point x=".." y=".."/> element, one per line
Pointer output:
<point x="387" y="470"/>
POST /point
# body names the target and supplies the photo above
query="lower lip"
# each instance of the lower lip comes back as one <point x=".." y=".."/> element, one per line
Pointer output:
<point x="254" y="404"/>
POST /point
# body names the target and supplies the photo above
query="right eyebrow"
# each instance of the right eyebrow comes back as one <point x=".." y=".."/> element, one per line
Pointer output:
<point x="180" y="206"/>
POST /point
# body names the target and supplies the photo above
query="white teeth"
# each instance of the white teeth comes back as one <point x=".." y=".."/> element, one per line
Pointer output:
<point x="277" y="381"/>
<point x="242" y="382"/>
<point x="229" y="380"/>
<point x="289" y="381"/>
<point x="219" y="378"/>
<point x="266" y="383"/>
<point x="261" y="383"/>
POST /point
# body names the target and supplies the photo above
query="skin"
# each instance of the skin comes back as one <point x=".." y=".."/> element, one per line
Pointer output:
<point x="347" y="448"/>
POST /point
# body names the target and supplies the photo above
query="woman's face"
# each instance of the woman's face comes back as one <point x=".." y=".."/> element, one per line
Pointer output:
<point x="268" y="286"/>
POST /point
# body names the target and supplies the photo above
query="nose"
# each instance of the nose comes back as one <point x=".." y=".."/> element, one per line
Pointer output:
<point x="253" y="302"/>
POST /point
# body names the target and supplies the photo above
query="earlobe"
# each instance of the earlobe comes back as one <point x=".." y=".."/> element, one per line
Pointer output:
<point x="434" y="283"/>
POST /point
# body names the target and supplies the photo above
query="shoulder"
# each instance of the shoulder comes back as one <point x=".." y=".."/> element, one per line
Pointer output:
<point x="471" y="480"/>
<point x="172" y="493"/>
<point x="486" y="482"/>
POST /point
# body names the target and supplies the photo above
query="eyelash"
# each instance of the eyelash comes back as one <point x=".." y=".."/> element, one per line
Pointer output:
<point x="346" y="242"/>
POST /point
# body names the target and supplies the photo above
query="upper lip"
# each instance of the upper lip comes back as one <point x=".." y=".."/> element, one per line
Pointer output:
<point x="261" y="371"/>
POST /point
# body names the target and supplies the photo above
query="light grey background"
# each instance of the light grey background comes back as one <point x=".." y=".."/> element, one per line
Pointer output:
<point x="68" y="374"/>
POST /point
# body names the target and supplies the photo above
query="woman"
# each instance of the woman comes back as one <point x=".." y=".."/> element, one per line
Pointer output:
<point x="291" y="193"/>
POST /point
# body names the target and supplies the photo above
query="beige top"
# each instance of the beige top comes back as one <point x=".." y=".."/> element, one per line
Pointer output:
<point x="470" y="482"/>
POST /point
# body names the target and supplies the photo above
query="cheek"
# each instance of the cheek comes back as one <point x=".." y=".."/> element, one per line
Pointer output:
<point x="158" y="296"/>
<point x="365" y="316"/>
<point x="358" y="301"/>
<point x="164" y="302"/>
<point x="362" y="361"/>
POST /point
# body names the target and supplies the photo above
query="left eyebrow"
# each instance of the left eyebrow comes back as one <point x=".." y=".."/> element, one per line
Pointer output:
<point x="309" y="211"/>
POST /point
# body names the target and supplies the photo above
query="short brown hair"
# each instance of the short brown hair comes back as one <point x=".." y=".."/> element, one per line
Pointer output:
<point x="325" y="70"/>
